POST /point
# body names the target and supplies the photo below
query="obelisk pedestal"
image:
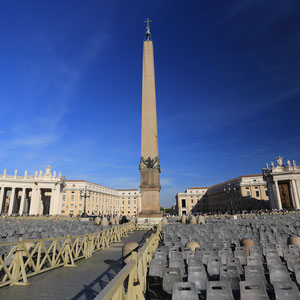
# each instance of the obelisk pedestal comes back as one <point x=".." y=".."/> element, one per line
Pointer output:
<point x="149" y="164"/>
<point x="150" y="189"/>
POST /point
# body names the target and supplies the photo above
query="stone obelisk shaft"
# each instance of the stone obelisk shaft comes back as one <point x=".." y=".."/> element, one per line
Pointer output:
<point x="149" y="166"/>
<point x="149" y="119"/>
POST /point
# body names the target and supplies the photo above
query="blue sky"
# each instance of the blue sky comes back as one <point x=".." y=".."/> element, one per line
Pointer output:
<point x="227" y="83"/>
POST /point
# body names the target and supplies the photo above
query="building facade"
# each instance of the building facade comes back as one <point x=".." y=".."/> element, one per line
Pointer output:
<point x="130" y="204"/>
<point x="247" y="192"/>
<point x="283" y="183"/>
<point x="82" y="196"/>
<point x="191" y="199"/>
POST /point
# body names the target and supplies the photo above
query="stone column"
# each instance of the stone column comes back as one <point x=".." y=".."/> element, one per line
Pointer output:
<point x="56" y="201"/>
<point x="26" y="208"/>
<point x="1" y="198"/>
<point x="34" y="201"/>
<point x="38" y="202"/>
<point x="295" y="194"/>
<point x="51" y="202"/>
<point x="12" y="201"/>
<point x="278" y="198"/>
<point x="22" y="204"/>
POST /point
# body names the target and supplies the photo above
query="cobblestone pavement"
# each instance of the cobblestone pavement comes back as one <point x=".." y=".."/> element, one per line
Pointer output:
<point x="82" y="282"/>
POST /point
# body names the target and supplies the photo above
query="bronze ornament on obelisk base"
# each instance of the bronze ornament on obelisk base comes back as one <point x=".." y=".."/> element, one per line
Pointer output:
<point x="149" y="163"/>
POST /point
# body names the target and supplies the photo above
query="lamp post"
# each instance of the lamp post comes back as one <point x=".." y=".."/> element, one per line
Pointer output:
<point x="230" y="192"/>
<point x="84" y="194"/>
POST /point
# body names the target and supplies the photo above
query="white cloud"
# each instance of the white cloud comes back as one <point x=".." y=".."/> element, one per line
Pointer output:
<point x="166" y="181"/>
<point x="33" y="141"/>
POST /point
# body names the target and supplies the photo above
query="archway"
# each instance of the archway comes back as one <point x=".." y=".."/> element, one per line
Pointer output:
<point x="6" y="200"/>
<point x="46" y="199"/>
<point x="285" y="194"/>
<point x="17" y="201"/>
<point x="28" y="201"/>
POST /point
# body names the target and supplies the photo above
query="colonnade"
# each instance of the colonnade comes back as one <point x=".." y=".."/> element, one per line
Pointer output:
<point x="29" y="200"/>
<point x="34" y="195"/>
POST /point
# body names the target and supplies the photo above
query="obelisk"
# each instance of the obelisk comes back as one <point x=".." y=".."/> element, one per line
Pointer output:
<point x="149" y="163"/>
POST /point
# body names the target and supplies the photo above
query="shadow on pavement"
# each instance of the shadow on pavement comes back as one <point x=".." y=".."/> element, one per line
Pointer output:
<point x="92" y="290"/>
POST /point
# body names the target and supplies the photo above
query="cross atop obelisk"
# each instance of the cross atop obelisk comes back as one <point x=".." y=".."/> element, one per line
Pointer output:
<point x="149" y="163"/>
<point x="148" y="34"/>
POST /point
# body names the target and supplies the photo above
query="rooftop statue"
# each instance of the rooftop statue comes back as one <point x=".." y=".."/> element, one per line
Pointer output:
<point x="48" y="171"/>
<point x="279" y="161"/>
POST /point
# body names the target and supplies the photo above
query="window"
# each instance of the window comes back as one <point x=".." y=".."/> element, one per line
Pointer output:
<point x="248" y="193"/>
<point x="128" y="201"/>
<point x="134" y="201"/>
<point x="72" y="197"/>
<point x="266" y="192"/>
<point x="64" y="198"/>
<point x="80" y="205"/>
<point x="192" y="201"/>
<point x="257" y="193"/>
<point x="183" y="204"/>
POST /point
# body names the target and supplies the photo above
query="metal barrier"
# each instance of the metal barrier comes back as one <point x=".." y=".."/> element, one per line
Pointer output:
<point x="130" y="282"/>
<point x="32" y="257"/>
<point x="145" y="226"/>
